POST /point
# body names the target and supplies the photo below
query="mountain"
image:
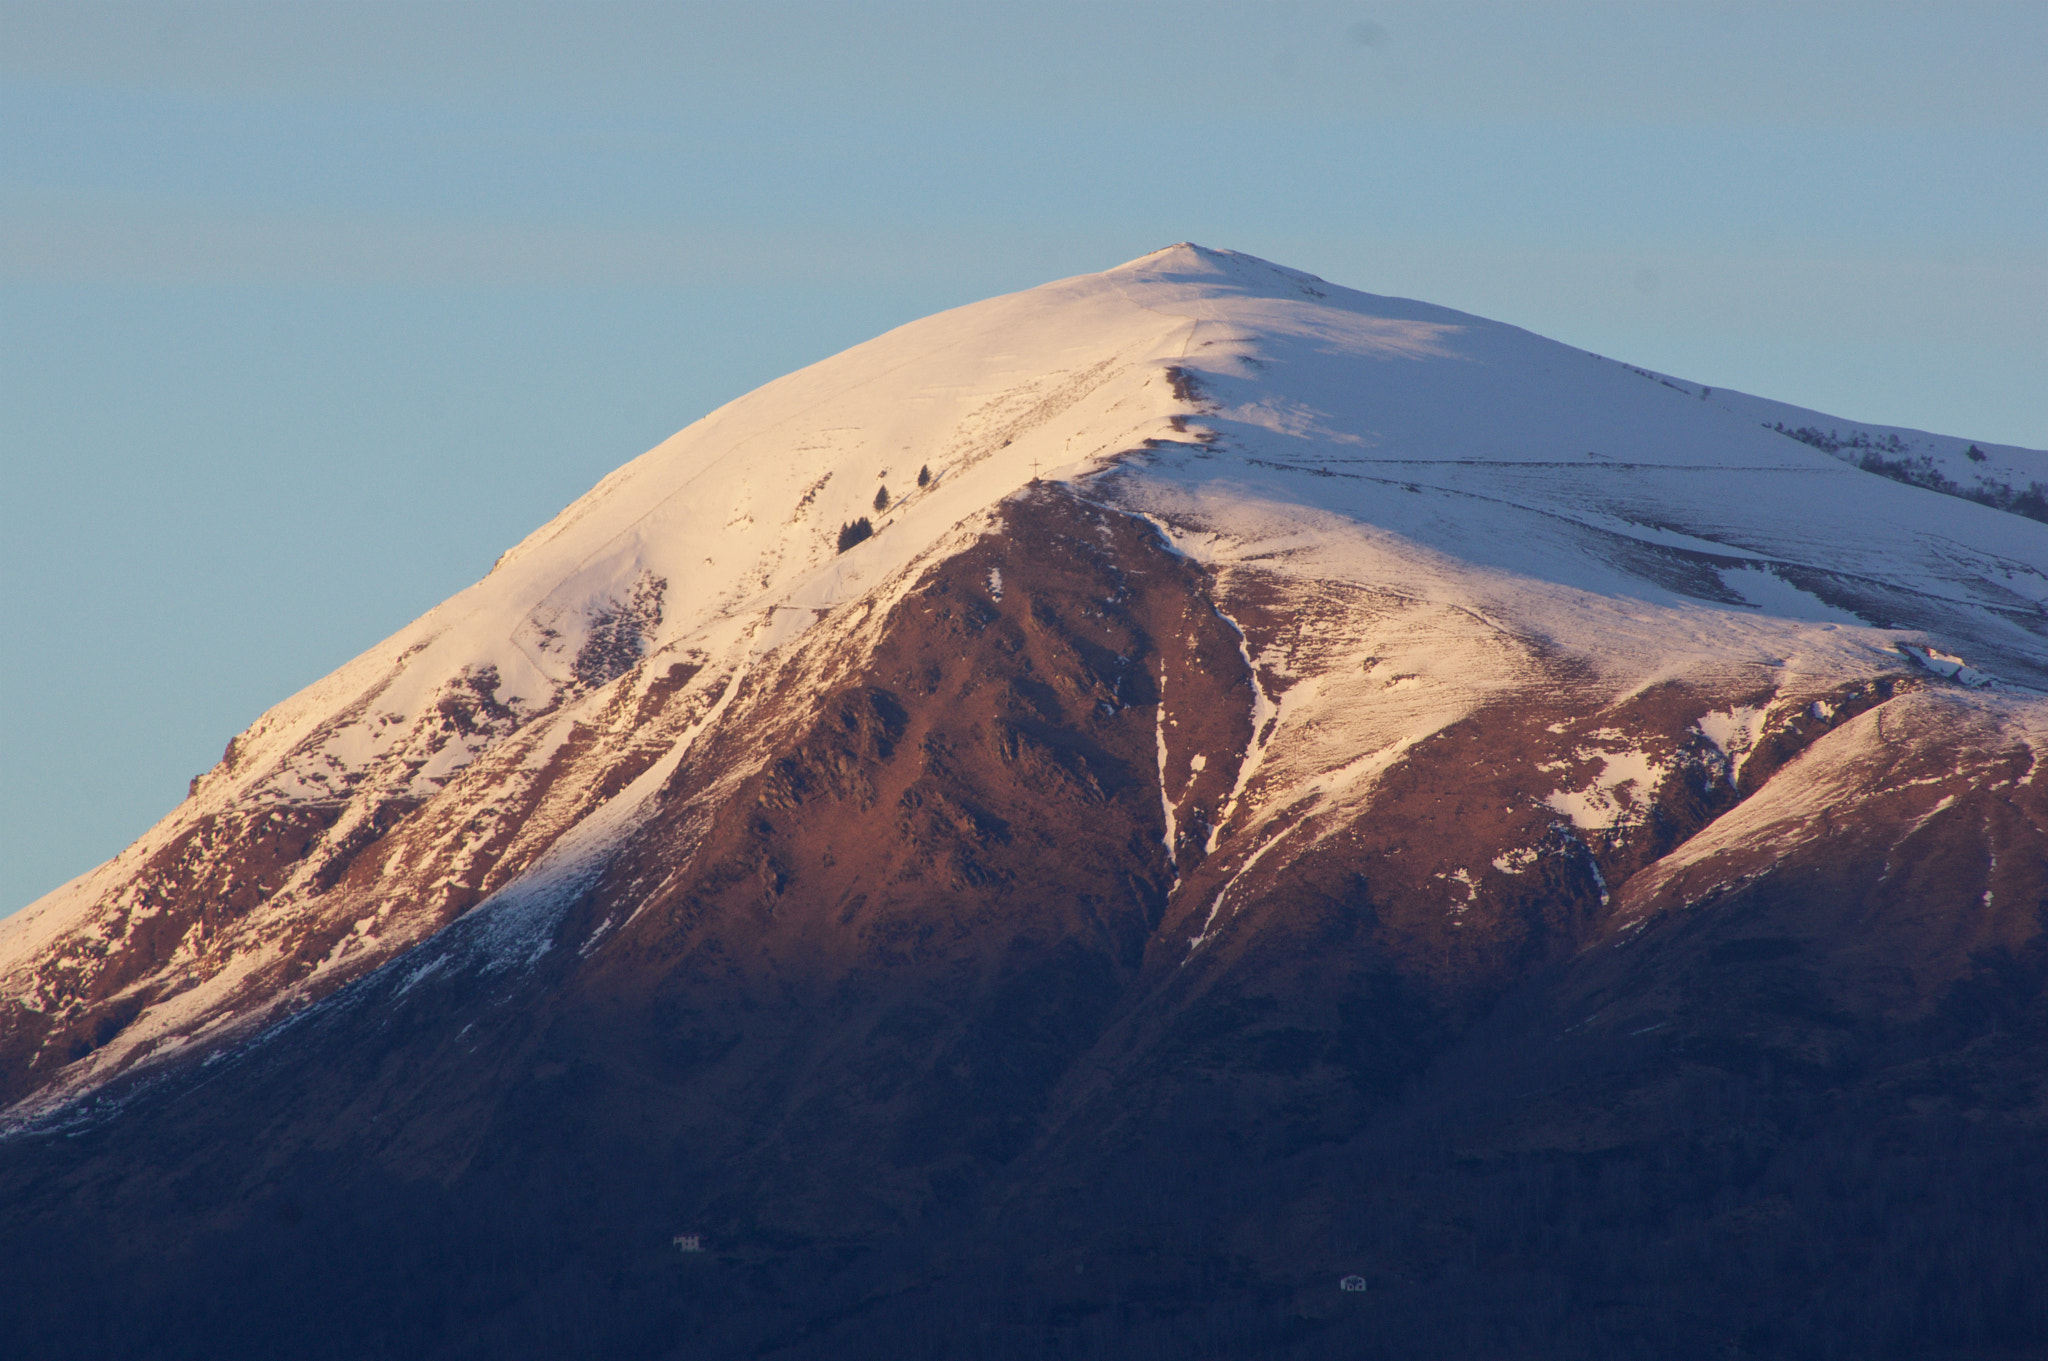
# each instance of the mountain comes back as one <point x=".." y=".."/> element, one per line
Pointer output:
<point x="1073" y="828"/>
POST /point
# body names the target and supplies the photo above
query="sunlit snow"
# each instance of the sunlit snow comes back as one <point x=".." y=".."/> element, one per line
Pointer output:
<point x="1457" y="499"/>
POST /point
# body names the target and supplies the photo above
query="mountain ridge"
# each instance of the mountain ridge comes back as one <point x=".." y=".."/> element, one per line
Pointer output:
<point x="314" y="746"/>
<point x="1381" y="770"/>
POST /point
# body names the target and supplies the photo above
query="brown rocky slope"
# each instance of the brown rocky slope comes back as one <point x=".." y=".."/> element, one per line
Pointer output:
<point x="892" y="1004"/>
<point x="1306" y="825"/>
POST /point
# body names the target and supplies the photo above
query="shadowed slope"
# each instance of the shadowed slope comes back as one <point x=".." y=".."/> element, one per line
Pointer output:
<point x="1400" y="799"/>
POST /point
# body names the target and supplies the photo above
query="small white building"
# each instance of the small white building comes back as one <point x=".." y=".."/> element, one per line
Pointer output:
<point x="1352" y="1283"/>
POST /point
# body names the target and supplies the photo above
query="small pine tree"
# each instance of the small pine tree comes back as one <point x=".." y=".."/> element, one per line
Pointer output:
<point x="852" y="533"/>
<point x="924" y="476"/>
<point x="881" y="499"/>
<point x="1974" y="454"/>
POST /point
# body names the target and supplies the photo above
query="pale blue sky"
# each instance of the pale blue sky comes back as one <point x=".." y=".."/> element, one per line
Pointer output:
<point x="307" y="312"/>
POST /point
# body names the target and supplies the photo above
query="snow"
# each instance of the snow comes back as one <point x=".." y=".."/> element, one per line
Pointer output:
<point x="1196" y="942"/>
<point x="1949" y="666"/>
<point x="1734" y="733"/>
<point x="1518" y="861"/>
<point x="1264" y="718"/>
<point x="1448" y="503"/>
<point x="1620" y="792"/>
<point x="1964" y="738"/>
<point x="1171" y="834"/>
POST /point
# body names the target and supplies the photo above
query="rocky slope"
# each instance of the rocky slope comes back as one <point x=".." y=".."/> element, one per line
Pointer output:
<point x="1295" y="785"/>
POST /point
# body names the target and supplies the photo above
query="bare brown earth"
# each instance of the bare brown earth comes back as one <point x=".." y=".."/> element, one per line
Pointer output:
<point x="893" y="1006"/>
<point x="321" y="892"/>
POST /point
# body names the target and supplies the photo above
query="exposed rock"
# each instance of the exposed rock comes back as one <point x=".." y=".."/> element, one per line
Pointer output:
<point x="1134" y="894"/>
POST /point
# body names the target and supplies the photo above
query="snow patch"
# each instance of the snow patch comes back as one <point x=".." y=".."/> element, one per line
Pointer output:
<point x="1518" y="861"/>
<point x="1265" y="720"/>
<point x="1734" y="732"/>
<point x="1171" y="833"/>
<point x="1950" y="666"/>
<point x="1620" y="793"/>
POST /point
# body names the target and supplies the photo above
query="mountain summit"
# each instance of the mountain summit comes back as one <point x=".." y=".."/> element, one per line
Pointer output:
<point x="1078" y="824"/>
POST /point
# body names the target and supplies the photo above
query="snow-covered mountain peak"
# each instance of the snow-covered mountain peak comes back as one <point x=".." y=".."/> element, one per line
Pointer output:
<point x="1184" y="262"/>
<point x="1517" y="497"/>
<point x="1189" y="725"/>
